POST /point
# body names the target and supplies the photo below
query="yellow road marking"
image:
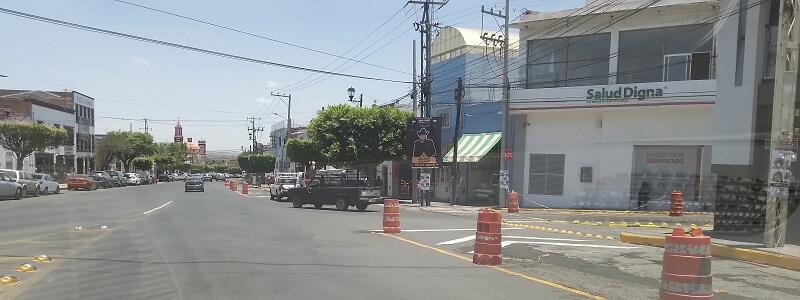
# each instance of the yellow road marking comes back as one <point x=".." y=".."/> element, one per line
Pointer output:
<point x="500" y="269"/>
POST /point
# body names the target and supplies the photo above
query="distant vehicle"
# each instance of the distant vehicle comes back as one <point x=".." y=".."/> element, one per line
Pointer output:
<point x="118" y="178"/>
<point x="30" y="186"/>
<point x="219" y="176"/>
<point x="133" y="179"/>
<point x="145" y="176"/>
<point x="47" y="184"/>
<point x="194" y="184"/>
<point x="207" y="177"/>
<point x="281" y="185"/>
<point x="9" y="188"/>
<point x="164" y="178"/>
<point x="343" y="189"/>
<point x="80" y="181"/>
<point x="102" y="179"/>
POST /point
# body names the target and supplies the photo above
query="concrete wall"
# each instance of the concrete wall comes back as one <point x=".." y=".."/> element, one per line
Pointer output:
<point x="604" y="140"/>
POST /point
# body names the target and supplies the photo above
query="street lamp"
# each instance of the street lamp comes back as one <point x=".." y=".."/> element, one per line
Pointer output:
<point x="351" y="92"/>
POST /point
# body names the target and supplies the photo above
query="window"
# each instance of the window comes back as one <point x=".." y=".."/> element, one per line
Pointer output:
<point x="70" y="136"/>
<point x="740" y="39"/>
<point x="686" y="66"/>
<point x="568" y="61"/>
<point x="772" y="41"/>
<point x="665" y="54"/>
<point x="444" y="116"/>
<point x="546" y="174"/>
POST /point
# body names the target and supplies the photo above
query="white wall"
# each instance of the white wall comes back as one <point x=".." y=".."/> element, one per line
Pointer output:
<point x="734" y="114"/>
<point x="603" y="139"/>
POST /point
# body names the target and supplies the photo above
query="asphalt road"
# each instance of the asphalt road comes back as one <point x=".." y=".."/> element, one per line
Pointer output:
<point x="157" y="242"/>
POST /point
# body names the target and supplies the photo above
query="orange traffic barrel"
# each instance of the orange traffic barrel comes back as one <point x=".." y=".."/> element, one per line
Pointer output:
<point x="233" y="186"/>
<point x="487" y="238"/>
<point x="227" y="183"/>
<point x="676" y="204"/>
<point x="513" y="202"/>
<point x="686" y="267"/>
<point x="391" y="216"/>
<point x="244" y="188"/>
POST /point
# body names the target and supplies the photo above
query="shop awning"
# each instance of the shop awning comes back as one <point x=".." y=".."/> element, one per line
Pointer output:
<point x="472" y="147"/>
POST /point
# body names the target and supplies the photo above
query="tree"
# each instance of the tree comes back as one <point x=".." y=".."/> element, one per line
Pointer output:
<point x="139" y="144"/>
<point x="108" y="148"/>
<point x="261" y="163"/>
<point x="22" y="139"/>
<point x="351" y="135"/>
<point x="142" y="163"/>
<point x="233" y="170"/>
<point x="305" y="152"/>
<point x="169" y="156"/>
<point x="219" y="168"/>
<point x="244" y="161"/>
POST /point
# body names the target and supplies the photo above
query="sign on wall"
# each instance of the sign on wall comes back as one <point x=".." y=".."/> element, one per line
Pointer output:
<point x="423" y="142"/>
<point x="425" y="181"/>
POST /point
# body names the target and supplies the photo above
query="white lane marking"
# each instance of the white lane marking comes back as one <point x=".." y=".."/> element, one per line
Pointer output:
<point x="441" y="230"/>
<point x="458" y="240"/>
<point x="506" y="243"/>
<point x="541" y="238"/>
<point x="157" y="208"/>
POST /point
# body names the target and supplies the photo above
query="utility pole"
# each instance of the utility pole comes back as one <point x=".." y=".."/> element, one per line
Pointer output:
<point x="146" y="128"/>
<point x="783" y="112"/>
<point x="454" y="182"/>
<point x="504" y="103"/>
<point x="252" y="132"/>
<point x="288" y="125"/>
<point x="414" y="77"/>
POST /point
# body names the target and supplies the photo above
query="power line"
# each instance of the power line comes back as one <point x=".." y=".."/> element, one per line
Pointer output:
<point x="185" y="47"/>
<point x="290" y="85"/>
<point x="255" y="35"/>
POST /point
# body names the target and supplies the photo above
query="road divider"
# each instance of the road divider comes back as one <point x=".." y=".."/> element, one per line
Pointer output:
<point x="8" y="280"/>
<point x="391" y="216"/>
<point x="487" y="238"/>
<point x="27" y="268"/>
<point x="686" y="267"/>
<point x="43" y="258"/>
<point x="723" y="251"/>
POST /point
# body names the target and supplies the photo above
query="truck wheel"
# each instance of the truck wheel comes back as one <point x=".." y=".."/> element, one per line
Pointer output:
<point x="296" y="202"/>
<point x="362" y="205"/>
<point x="318" y="205"/>
<point x="341" y="204"/>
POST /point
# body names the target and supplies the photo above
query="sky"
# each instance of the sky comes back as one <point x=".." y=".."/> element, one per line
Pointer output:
<point x="211" y="95"/>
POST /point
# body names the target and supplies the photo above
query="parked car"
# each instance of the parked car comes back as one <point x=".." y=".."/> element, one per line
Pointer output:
<point x="133" y="179"/>
<point x="30" y="186"/>
<point x="118" y="178"/>
<point x="103" y="180"/>
<point x="145" y="176"/>
<point x="219" y="176"/>
<point x="194" y="184"/>
<point x="47" y="184"/>
<point x="207" y="177"/>
<point x="80" y="181"/>
<point x="9" y="188"/>
<point x="281" y="185"/>
<point x="164" y="178"/>
<point x="342" y="189"/>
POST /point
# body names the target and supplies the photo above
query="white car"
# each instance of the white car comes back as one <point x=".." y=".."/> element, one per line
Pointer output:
<point x="47" y="184"/>
<point x="133" y="179"/>
<point x="281" y="186"/>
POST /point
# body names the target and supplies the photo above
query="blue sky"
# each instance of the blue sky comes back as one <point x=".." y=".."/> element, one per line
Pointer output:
<point x="131" y="79"/>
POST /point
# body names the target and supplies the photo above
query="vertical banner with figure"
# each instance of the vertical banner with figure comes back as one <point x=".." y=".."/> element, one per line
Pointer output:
<point x="423" y="142"/>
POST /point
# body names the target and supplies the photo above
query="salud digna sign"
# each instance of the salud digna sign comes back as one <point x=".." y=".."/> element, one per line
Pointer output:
<point x="621" y="94"/>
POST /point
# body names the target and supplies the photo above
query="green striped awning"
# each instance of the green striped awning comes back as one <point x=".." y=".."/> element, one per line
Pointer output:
<point x="472" y="147"/>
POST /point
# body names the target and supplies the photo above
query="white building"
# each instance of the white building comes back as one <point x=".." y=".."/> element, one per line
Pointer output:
<point x="616" y="110"/>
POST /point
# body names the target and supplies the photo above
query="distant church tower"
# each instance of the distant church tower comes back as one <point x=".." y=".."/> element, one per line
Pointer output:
<point x="178" y="138"/>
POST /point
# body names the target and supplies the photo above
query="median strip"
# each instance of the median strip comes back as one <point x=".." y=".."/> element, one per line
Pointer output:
<point x="723" y="251"/>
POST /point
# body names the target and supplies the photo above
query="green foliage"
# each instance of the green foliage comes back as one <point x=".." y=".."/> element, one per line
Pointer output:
<point x="351" y="135"/>
<point x="22" y="139"/>
<point x="170" y="156"/>
<point x="256" y="162"/>
<point x="143" y="163"/>
<point x="139" y="144"/>
<point x="233" y="170"/>
<point x="219" y="168"/>
<point x="108" y="148"/>
<point x="304" y="151"/>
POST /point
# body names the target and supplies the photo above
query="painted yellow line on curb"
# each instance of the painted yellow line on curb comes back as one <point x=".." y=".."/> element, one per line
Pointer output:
<point x="724" y="251"/>
<point x="500" y="269"/>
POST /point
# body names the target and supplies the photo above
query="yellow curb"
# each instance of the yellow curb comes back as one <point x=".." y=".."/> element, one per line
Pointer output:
<point x="724" y="251"/>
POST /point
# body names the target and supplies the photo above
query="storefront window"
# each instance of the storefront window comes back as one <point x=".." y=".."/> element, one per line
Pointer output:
<point x="568" y="61"/>
<point x="546" y="174"/>
<point x="665" y="54"/>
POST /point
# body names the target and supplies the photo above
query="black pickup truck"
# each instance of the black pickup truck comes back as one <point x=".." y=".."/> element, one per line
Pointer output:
<point x="343" y="190"/>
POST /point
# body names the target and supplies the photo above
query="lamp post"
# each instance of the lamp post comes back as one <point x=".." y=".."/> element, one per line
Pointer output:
<point x="351" y="92"/>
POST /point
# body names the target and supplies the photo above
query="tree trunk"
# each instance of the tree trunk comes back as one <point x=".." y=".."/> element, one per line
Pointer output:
<point x="20" y="162"/>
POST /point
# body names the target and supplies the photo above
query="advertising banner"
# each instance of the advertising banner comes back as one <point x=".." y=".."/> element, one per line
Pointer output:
<point x="423" y="142"/>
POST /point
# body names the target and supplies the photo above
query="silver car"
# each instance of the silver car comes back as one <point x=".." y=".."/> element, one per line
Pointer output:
<point x="30" y="186"/>
<point x="9" y="188"/>
<point x="47" y="184"/>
